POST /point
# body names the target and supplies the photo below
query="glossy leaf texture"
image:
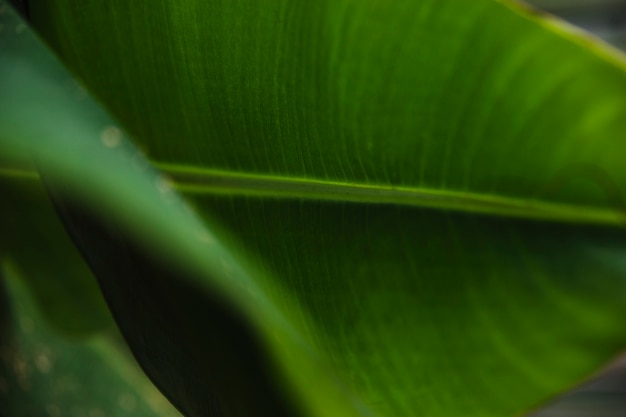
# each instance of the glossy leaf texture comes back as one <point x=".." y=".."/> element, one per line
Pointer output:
<point x="412" y="207"/>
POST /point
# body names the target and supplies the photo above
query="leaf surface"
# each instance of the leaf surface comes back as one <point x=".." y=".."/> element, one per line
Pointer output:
<point x="415" y="206"/>
<point x="42" y="373"/>
<point x="33" y="238"/>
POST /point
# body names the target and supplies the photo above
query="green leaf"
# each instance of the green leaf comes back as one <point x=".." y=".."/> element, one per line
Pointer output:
<point x="33" y="238"/>
<point x="31" y="234"/>
<point x="80" y="158"/>
<point x="43" y="374"/>
<point x="412" y="207"/>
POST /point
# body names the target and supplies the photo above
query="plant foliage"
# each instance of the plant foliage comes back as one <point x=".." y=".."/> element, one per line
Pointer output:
<point x="329" y="208"/>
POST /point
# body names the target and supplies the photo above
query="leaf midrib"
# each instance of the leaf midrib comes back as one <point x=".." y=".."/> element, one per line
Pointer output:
<point x="201" y="181"/>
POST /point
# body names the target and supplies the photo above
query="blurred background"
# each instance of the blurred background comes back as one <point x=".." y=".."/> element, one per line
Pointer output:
<point x="603" y="396"/>
<point x="605" y="18"/>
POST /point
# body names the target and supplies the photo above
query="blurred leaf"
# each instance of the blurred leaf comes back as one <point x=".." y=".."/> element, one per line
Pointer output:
<point x="43" y="374"/>
<point x="32" y="236"/>
<point x="412" y="207"/>
<point x="104" y="171"/>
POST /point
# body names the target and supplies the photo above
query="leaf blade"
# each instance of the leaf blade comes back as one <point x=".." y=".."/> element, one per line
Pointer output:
<point x="255" y="107"/>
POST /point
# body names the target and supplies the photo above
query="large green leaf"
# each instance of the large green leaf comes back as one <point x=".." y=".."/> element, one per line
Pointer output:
<point x="419" y="204"/>
<point x="474" y="98"/>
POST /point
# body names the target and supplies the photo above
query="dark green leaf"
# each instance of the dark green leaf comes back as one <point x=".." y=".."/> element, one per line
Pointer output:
<point x="32" y="237"/>
<point x="42" y="374"/>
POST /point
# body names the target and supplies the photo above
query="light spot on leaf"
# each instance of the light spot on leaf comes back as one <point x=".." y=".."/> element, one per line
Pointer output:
<point x="43" y="363"/>
<point x="53" y="410"/>
<point x="127" y="402"/>
<point x="164" y="185"/>
<point x="27" y="325"/>
<point x="111" y="136"/>
<point x="204" y="237"/>
<point x="96" y="412"/>
<point x="22" y="372"/>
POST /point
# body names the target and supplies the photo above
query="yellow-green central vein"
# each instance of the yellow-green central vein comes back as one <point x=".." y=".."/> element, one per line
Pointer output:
<point x="194" y="180"/>
<point x="207" y="181"/>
